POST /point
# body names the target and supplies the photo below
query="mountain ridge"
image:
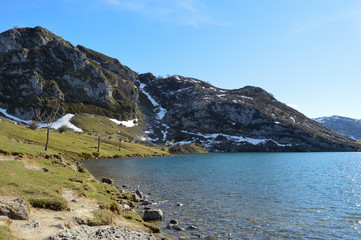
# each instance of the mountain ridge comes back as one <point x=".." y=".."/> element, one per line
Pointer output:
<point x="47" y="71"/>
<point x="349" y="127"/>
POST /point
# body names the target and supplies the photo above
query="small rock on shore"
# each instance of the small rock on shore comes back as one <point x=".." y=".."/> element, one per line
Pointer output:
<point x="102" y="233"/>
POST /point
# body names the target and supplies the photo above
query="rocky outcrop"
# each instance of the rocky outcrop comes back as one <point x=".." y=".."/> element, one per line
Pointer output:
<point x="14" y="209"/>
<point x="40" y="69"/>
<point x="108" y="181"/>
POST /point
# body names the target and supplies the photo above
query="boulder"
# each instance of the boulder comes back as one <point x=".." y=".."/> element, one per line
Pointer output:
<point x="135" y="198"/>
<point x="126" y="207"/>
<point x="139" y="193"/>
<point x="14" y="209"/>
<point x="153" y="215"/>
<point x="108" y="180"/>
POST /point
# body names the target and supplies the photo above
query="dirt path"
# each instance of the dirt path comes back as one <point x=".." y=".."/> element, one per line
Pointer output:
<point x="7" y="158"/>
<point x="45" y="223"/>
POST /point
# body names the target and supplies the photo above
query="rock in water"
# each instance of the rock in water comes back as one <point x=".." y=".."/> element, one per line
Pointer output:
<point x="14" y="209"/>
<point x="153" y="215"/>
<point x="173" y="221"/>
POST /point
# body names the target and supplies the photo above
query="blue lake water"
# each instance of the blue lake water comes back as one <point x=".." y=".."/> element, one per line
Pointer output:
<point x="249" y="195"/>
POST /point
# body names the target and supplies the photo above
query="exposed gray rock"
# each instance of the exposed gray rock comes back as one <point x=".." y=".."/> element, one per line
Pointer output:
<point x="153" y="215"/>
<point x="14" y="209"/>
<point x="108" y="181"/>
<point x="139" y="193"/>
<point x="31" y="224"/>
<point x="135" y="198"/>
<point x="126" y="207"/>
<point x="102" y="233"/>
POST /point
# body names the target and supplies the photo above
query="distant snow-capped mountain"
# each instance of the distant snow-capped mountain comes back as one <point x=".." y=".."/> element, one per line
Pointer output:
<point x="347" y="126"/>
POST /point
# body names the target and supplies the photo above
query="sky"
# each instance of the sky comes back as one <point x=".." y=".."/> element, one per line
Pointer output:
<point x="307" y="53"/>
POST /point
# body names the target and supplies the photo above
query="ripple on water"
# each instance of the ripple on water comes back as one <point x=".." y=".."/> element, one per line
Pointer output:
<point x="250" y="195"/>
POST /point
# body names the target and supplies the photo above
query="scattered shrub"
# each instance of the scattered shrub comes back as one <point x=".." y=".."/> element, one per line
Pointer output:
<point x="130" y="215"/>
<point x="82" y="169"/>
<point x="33" y="125"/>
<point x="64" y="129"/>
<point x="86" y="155"/>
<point x="52" y="203"/>
<point x="101" y="217"/>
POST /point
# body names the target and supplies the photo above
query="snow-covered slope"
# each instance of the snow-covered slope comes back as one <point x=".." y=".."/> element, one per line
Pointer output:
<point x="63" y="121"/>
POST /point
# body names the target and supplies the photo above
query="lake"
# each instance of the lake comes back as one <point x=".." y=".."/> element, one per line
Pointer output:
<point x="249" y="195"/>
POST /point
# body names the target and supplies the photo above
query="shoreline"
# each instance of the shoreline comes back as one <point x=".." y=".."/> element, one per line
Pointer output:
<point x="79" y="212"/>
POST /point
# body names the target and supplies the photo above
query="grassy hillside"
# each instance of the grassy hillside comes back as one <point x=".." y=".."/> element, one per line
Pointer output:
<point x="15" y="140"/>
<point x="40" y="178"/>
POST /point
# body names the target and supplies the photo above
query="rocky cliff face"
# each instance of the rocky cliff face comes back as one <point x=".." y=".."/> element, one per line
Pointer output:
<point x="246" y="119"/>
<point x="346" y="126"/>
<point x="40" y="69"/>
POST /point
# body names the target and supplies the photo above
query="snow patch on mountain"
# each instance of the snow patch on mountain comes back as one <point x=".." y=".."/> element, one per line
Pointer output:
<point x="160" y="111"/>
<point x="65" y="121"/>
<point x="254" y="141"/>
<point x="128" y="123"/>
<point x="3" y="111"/>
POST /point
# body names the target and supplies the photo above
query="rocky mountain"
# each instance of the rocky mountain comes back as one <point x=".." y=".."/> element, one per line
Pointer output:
<point x="247" y="119"/>
<point x="40" y="69"/>
<point x="347" y="126"/>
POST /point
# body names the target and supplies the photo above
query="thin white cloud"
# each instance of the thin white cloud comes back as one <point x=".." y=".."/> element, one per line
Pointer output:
<point x="183" y="12"/>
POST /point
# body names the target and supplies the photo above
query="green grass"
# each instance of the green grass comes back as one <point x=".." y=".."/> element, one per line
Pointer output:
<point x="101" y="217"/>
<point x="20" y="139"/>
<point x="100" y="125"/>
<point x="5" y="233"/>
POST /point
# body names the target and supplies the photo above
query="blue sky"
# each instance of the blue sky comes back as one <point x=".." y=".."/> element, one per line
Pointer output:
<point x="307" y="53"/>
